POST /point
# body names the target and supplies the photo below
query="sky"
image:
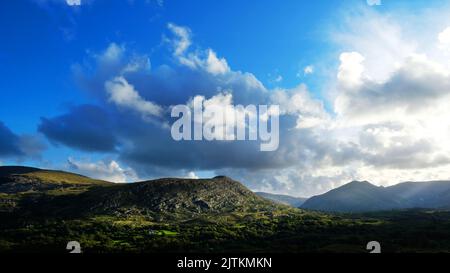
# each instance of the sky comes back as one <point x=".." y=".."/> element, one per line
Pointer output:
<point x="363" y="88"/>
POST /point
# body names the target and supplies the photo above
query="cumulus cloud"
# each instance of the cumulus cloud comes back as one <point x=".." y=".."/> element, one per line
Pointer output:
<point x="104" y="170"/>
<point x="385" y="118"/>
<point x="417" y="85"/>
<point x="299" y="103"/>
<point x="350" y="69"/>
<point x="396" y="120"/>
<point x="215" y="65"/>
<point x="123" y="94"/>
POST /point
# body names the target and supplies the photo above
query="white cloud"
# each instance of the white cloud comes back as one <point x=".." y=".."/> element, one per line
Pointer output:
<point x="105" y="170"/>
<point x="223" y="124"/>
<point x="136" y="64"/>
<point x="374" y="2"/>
<point x="444" y="39"/>
<point x="390" y="102"/>
<point x="380" y="39"/>
<point x="192" y="175"/>
<point x="123" y="94"/>
<point x="309" y="69"/>
<point x="215" y="65"/>
<point x="298" y="102"/>
<point x="73" y="2"/>
<point x="400" y="124"/>
<point x="112" y="54"/>
<point x="183" y="38"/>
<point x="416" y="87"/>
<point x="390" y="109"/>
<point x="206" y="60"/>
<point x="351" y="69"/>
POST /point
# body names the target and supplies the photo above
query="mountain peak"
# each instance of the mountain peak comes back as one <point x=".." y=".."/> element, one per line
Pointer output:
<point x="358" y="182"/>
<point x="351" y="197"/>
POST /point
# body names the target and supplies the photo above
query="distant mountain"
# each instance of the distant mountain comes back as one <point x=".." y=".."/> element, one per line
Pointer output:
<point x="363" y="196"/>
<point x="283" y="199"/>
<point x="432" y="194"/>
<point x="62" y="193"/>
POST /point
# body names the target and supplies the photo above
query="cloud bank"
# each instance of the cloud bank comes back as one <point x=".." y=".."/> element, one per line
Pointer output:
<point x="387" y="119"/>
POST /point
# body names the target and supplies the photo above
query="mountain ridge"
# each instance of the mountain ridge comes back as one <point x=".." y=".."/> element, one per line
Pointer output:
<point x="67" y="193"/>
<point x="363" y="196"/>
<point x="199" y="195"/>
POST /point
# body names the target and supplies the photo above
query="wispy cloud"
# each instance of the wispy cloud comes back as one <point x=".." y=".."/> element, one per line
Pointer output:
<point x="73" y="2"/>
<point x="374" y="2"/>
<point x="309" y="69"/>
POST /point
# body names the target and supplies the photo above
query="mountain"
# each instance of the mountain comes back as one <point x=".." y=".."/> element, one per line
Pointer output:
<point x="283" y="199"/>
<point x="431" y="194"/>
<point x="183" y="197"/>
<point x="61" y="193"/>
<point x="363" y="196"/>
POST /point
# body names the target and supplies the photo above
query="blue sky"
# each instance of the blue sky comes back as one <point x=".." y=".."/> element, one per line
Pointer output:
<point x="54" y="36"/>
<point x="58" y="35"/>
<point x="57" y="58"/>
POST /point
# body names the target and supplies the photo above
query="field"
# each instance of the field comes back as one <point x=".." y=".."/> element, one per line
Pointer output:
<point x="291" y="230"/>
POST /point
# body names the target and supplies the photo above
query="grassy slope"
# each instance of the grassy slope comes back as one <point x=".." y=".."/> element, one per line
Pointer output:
<point x="64" y="178"/>
<point x="22" y="180"/>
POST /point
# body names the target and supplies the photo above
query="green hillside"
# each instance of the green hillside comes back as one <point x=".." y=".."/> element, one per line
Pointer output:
<point x="41" y="210"/>
<point x="28" y="180"/>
